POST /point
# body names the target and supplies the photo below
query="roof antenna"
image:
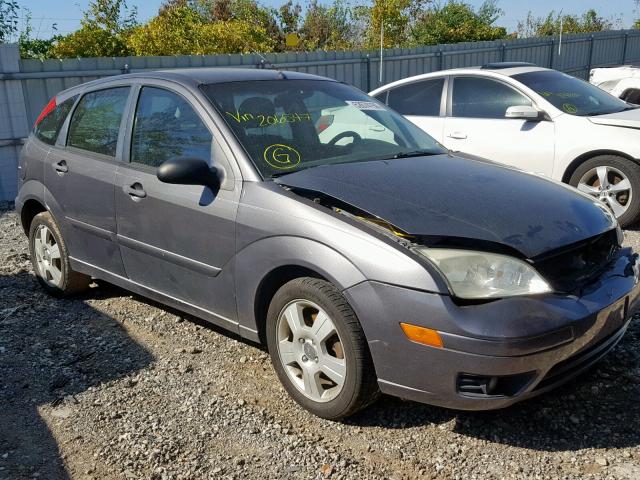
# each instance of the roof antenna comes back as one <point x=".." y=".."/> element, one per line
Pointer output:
<point x="264" y="63"/>
<point x="561" y="28"/>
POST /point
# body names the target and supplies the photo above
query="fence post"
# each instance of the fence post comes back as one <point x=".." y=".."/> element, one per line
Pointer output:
<point x="553" y="49"/>
<point x="624" y="49"/>
<point x="503" y="54"/>
<point x="440" y="59"/>
<point x="14" y="125"/>
<point x="590" y="56"/>
<point x="368" y="73"/>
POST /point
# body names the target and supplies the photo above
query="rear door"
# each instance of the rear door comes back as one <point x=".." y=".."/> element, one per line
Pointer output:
<point x="80" y="175"/>
<point x="477" y="125"/>
<point x="421" y="102"/>
<point x="177" y="239"/>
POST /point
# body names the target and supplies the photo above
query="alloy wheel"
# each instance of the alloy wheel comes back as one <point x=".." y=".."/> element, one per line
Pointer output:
<point x="609" y="185"/>
<point x="48" y="256"/>
<point x="311" y="351"/>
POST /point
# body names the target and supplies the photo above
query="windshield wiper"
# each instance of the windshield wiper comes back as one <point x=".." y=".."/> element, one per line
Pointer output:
<point x="597" y="114"/>
<point x="411" y="153"/>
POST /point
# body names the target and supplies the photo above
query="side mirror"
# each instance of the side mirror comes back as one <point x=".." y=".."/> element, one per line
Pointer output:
<point x="524" y="112"/>
<point x="189" y="171"/>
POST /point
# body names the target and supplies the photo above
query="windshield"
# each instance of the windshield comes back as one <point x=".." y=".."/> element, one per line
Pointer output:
<point x="289" y="125"/>
<point x="571" y="95"/>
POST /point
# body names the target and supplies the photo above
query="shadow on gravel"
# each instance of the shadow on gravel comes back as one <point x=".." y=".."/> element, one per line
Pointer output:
<point x="599" y="409"/>
<point x="51" y="350"/>
<point x="108" y="290"/>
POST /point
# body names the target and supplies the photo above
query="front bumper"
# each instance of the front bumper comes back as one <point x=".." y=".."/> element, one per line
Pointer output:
<point x="527" y="345"/>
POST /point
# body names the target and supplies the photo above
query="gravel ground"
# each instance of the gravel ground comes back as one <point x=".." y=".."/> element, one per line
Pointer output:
<point x="110" y="385"/>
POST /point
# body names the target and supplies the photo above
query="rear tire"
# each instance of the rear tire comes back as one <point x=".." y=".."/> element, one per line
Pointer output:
<point x="50" y="258"/>
<point x="625" y="203"/>
<point x="301" y="355"/>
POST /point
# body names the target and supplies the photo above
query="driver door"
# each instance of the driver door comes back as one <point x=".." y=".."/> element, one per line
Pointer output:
<point x="176" y="239"/>
<point x="477" y="125"/>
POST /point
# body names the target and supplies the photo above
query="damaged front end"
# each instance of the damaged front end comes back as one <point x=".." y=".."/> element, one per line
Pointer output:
<point x="567" y="270"/>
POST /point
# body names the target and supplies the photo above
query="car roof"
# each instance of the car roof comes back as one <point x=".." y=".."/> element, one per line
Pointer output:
<point x="193" y="77"/>
<point x="486" y="71"/>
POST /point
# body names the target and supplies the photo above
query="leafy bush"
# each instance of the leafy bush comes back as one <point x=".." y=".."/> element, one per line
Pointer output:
<point x="90" y="41"/>
<point x="590" y="21"/>
<point x="8" y="19"/>
<point x="184" y="31"/>
<point x="457" y="22"/>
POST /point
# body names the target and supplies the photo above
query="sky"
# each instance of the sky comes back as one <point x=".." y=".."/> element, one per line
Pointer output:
<point x="66" y="14"/>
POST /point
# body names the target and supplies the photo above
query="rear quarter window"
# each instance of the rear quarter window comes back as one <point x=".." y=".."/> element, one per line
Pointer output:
<point x="95" y="123"/>
<point x="48" y="129"/>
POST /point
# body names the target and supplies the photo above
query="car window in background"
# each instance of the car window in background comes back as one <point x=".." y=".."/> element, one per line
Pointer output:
<point x="165" y="128"/>
<point x="475" y="97"/>
<point x="95" y="123"/>
<point x="571" y="95"/>
<point x="417" y="98"/>
<point x="48" y="128"/>
<point x="289" y="125"/>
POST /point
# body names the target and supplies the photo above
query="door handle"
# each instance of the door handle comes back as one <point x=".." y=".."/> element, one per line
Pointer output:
<point x="457" y="135"/>
<point x="61" y="167"/>
<point x="135" y="190"/>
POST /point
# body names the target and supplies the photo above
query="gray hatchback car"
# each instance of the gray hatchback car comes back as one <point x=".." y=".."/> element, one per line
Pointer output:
<point x="368" y="260"/>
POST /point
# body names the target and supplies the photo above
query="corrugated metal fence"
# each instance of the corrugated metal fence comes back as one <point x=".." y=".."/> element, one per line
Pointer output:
<point x="27" y="85"/>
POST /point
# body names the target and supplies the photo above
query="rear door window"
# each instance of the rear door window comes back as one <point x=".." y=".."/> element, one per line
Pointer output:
<point x="48" y="128"/>
<point x="417" y="98"/>
<point x="167" y="127"/>
<point x="475" y="97"/>
<point x="95" y="123"/>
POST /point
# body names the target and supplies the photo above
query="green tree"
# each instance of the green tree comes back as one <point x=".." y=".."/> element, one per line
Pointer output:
<point x="290" y="15"/>
<point x="37" y="48"/>
<point x="8" y="19"/>
<point x="589" y="21"/>
<point x="457" y="21"/>
<point x="328" y="27"/>
<point x="395" y="16"/>
<point x="185" y="31"/>
<point x="249" y="11"/>
<point x="103" y="31"/>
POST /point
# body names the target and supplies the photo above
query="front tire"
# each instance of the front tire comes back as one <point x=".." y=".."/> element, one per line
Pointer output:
<point x="614" y="180"/>
<point x="319" y="350"/>
<point x="50" y="258"/>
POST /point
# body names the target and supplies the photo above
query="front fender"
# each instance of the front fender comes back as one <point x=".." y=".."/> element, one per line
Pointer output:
<point x="258" y="259"/>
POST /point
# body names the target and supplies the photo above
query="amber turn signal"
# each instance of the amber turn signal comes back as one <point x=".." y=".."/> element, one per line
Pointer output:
<point x="426" y="336"/>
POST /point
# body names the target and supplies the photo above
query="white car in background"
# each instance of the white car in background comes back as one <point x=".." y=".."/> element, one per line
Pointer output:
<point x="533" y="118"/>
<point x="622" y="82"/>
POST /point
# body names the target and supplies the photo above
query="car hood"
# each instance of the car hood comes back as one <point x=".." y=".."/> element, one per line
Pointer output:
<point x="627" y="119"/>
<point x="450" y="196"/>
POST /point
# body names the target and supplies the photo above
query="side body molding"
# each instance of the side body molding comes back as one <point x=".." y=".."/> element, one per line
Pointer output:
<point x="260" y="258"/>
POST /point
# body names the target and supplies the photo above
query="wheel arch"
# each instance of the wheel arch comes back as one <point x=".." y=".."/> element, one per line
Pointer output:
<point x="264" y="266"/>
<point x="30" y="209"/>
<point x="268" y="287"/>
<point x="573" y="166"/>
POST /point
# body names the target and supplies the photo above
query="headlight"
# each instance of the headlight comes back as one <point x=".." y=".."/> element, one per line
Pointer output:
<point x="477" y="275"/>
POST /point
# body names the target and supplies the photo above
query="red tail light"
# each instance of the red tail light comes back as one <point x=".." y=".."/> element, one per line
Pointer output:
<point x="46" y="111"/>
<point x="324" y="122"/>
